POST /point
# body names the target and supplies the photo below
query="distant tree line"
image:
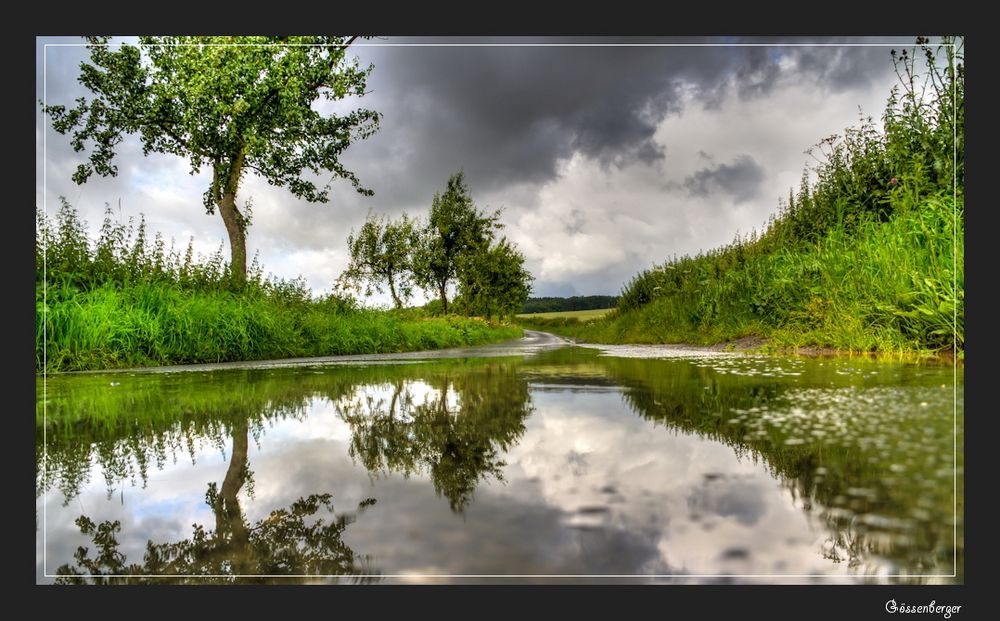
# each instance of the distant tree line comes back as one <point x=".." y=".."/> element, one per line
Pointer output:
<point x="456" y="246"/>
<point x="576" y="302"/>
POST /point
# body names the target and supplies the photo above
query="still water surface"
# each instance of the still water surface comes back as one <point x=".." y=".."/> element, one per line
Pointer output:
<point x="553" y="464"/>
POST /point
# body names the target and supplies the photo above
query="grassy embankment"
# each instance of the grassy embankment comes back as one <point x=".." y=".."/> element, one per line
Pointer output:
<point x="867" y="257"/>
<point x="123" y="301"/>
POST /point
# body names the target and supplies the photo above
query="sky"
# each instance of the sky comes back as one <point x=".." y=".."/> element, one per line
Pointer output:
<point x="605" y="159"/>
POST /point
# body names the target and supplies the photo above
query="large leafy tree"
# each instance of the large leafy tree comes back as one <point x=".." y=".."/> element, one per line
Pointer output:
<point x="382" y="255"/>
<point x="456" y="231"/>
<point x="231" y="105"/>
<point x="494" y="282"/>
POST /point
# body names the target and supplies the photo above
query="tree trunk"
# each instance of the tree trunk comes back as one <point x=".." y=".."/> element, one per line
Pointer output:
<point x="395" y="297"/>
<point x="237" y="239"/>
<point x="444" y="298"/>
<point x="398" y="388"/>
<point x="228" y="514"/>
<point x="234" y="221"/>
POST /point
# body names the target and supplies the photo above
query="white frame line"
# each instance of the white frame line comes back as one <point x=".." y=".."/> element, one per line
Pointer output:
<point x="954" y="573"/>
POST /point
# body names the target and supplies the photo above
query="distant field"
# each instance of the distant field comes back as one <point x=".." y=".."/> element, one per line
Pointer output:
<point x="582" y="315"/>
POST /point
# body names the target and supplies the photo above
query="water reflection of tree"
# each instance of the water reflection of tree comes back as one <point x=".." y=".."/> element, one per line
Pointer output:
<point x="457" y="432"/>
<point x="288" y="542"/>
<point x="126" y="430"/>
<point x="133" y="425"/>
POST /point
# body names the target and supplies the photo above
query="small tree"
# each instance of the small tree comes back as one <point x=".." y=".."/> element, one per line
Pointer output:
<point x="456" y="230"/>
<point x="231" y="104"/>
<point x="382" y="253"/>
<point x="494" y="282"/>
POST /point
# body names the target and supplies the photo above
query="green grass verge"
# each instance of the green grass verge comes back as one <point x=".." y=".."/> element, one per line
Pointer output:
<point x="895" y="286"/>
<point x="112" y="326"/>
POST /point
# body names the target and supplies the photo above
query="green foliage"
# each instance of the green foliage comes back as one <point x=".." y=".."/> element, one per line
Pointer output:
<point x="229" y="104"/>
<point x="456" y="246"/>
<point x="123" y="254"/>
<point x="868" y="256"/>
<point x="382" y="253"/>
<point x="495" y="282"/>
<point x="881" y="286"/>
<point x="874" y="172"/>
<point x="433" y="308"/>
<point x="456" y="230"/>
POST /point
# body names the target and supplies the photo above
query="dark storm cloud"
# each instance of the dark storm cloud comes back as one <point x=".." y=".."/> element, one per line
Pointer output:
<point x="758" y="72"/>
<point x="833" y="69"/>
<point x="742" y="179"/>
<point x="510" y="114"/>
<point x="842" y="68"/>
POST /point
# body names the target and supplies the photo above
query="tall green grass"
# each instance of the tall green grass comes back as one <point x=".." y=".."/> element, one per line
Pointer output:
<point x="868" y="255"/>
<point x="880" y="287"/>
<point x="119" y="301"/>
<point x="156" y="324"/>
